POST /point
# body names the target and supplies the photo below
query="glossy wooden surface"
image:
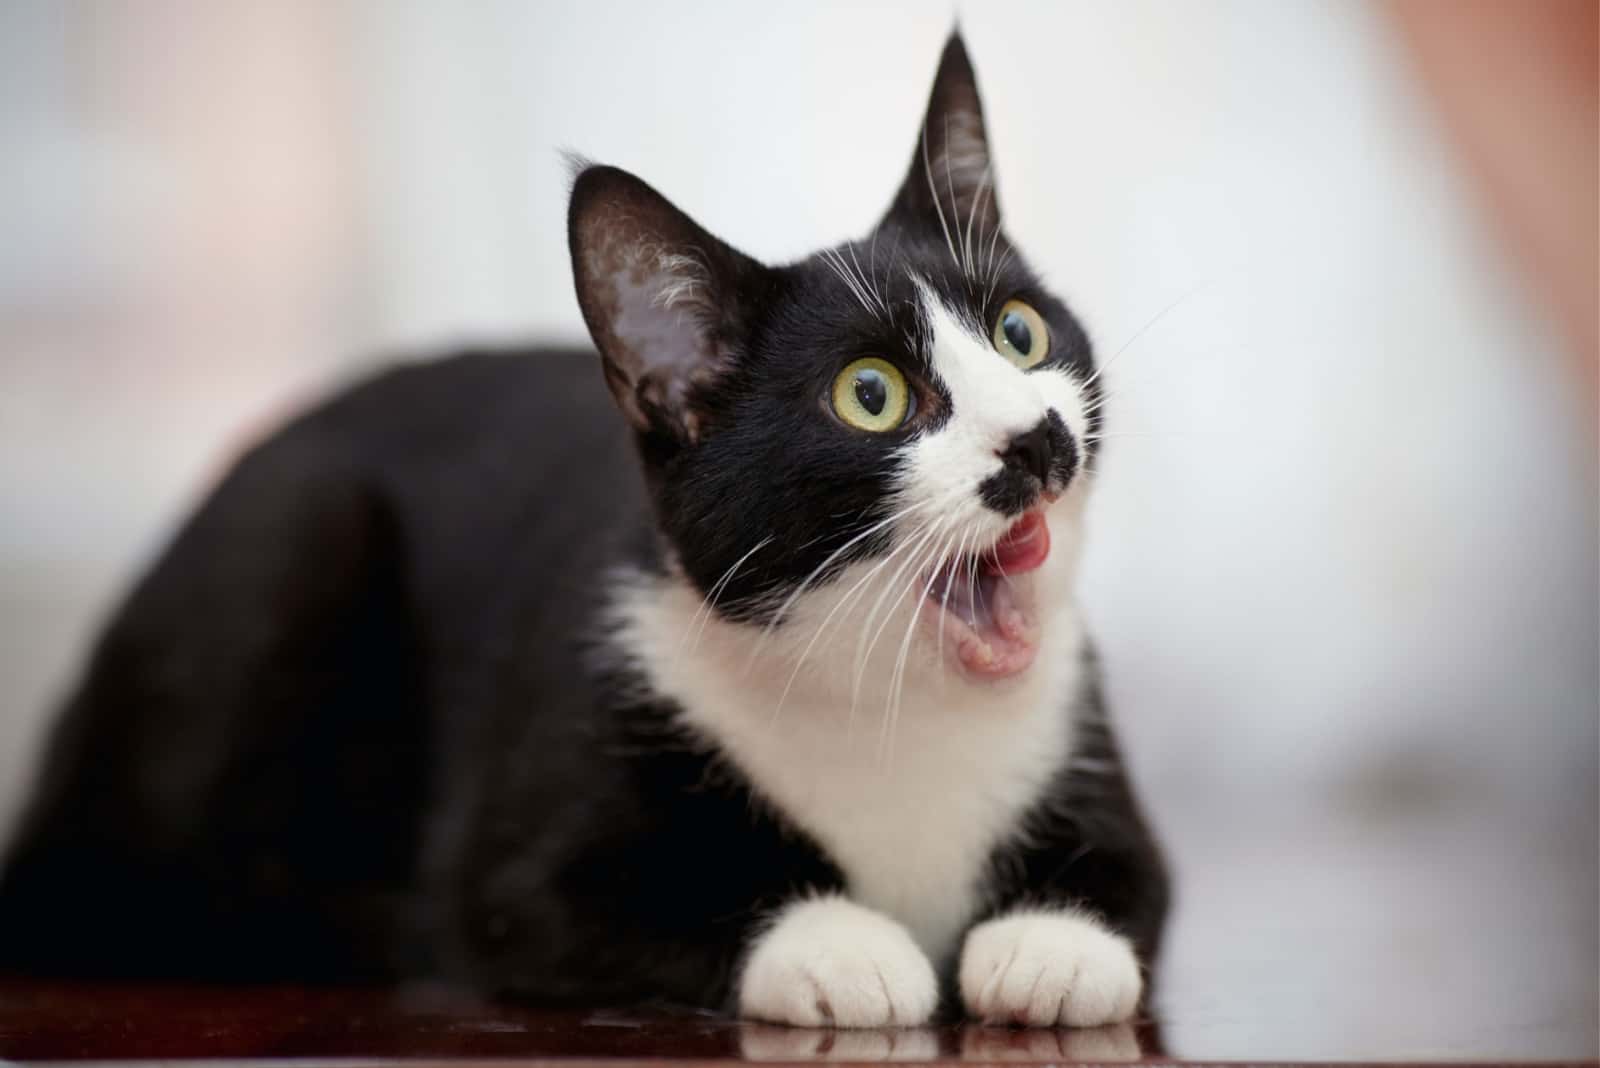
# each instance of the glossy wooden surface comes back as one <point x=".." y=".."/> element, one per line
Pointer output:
<point x="96" y="1022"/>
<point x="1388" y="929"/>
<point x="1413" y="930"/>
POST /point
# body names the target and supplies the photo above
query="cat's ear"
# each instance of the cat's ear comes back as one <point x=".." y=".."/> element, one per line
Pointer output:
<point x="662" y="299"/>
<point x="950" y="185"/>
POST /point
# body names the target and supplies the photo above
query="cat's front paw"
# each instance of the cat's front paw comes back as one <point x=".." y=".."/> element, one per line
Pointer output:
<point x="1041" y="969"/>
<point x="829" y="962"/>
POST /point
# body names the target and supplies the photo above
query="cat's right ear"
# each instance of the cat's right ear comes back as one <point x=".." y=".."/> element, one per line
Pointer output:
<point x="661" y="296"/>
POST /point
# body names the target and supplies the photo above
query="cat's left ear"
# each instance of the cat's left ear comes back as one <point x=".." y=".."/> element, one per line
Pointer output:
<point x="950" y="185"/>
<point x="663" y="300"/>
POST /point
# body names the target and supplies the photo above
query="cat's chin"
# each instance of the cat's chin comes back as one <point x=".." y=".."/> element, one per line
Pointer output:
<point x="985" y="612"/>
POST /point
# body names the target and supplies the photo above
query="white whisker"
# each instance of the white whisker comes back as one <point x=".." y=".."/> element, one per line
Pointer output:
<point x="839" y="267"/>
<point x="944" y="603"/>
<point x="927" y="169"/>
<point x="931" y="528"/>
<point x="842" y="602"/>
<point x="994" y="275"/>
<point x="817" y="571"/>
<point x="703" y="613"/>
<point x="955" y="202"/>
<point x="1146" y="328"/>
<point x="866" y="283"/>
<point x="897" y="678"/>
<point x="966" y="246"/>
<point x="921" y="559"/>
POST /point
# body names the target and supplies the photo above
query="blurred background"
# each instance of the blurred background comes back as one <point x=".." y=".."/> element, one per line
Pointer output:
<point x="1343" y="567"/>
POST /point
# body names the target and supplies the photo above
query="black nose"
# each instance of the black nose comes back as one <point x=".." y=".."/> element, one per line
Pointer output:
<point x="1030" y="452"/>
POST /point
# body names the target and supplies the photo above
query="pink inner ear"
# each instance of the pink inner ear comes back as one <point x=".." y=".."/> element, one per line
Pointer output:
<point x="653" y="315"/>
<point x="651" y="302"/>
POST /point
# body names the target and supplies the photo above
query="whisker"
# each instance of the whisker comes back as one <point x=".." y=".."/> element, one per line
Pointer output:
<point x="886" y="727"/>
<point x="955" y="202"/>
<point x="972" y="582"/>
<point x="994" y="275"/>
<point x="944" y="604"/>
<point x="707" y="607"/>
<point x="866" y="283"/>
<point x="817" y="571"/>
<point x="844" y="600"/>
<point x="897" y="678"/>
<point x="989" y="259"/>
<point x="927" y="169"/>
<point x="877" y="568"/>
<point x="932" y="528"/>
<point x="966" y="247"/>
<point x="1216" y="432"/>
<point x="909" y="544"/>
<point x="837" y="264"/>
<point x="1146" y="328"/>
<point x="872" y="269"/>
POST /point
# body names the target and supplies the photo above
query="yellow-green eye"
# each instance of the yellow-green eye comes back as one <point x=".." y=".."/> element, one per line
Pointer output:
<point x="1020" y="334"/>
<point x="871" y="394"/>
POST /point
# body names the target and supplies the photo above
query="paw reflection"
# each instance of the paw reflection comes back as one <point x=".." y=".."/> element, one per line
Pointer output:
<point x="1116" y="1042"/>
<point x="769" y="1042"/>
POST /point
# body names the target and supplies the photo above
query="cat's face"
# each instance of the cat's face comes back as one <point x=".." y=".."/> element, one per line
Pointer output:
<point x="883" y="434"/>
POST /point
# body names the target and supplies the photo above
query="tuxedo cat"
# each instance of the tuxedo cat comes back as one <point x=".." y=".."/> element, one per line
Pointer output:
<point x="769" y="695"/>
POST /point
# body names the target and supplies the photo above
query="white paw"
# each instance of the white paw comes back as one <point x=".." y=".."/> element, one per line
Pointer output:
<point x="829" y="962"/>
<point x="1041" y="969"/>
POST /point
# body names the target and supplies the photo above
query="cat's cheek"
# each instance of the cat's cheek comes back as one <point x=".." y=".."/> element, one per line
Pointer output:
<point x="828" y="962"/>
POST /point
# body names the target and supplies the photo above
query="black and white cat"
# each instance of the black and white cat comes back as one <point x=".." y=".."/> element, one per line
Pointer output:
<point x="772" y="699"/>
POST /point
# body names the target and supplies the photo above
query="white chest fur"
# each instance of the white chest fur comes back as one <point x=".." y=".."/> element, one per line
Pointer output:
<point x="910" y="814"/>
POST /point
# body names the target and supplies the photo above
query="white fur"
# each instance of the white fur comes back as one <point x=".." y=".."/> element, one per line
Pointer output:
<point x="828" y="961"/>
<point x="905" y="772"/>
<point x="1041" y="969"/>
<point x="910" y="817"/>
<point x="846" y="718"/>
<point x="682" y="279"/>
<point x="992" y="401"/>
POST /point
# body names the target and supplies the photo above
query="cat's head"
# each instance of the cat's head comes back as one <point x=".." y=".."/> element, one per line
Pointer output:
<point x="885" y="430"/>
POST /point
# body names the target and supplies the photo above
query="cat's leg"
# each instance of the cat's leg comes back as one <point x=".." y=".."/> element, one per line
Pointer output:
<point x="1076" y="905"/>
<point x="829" y="962"/>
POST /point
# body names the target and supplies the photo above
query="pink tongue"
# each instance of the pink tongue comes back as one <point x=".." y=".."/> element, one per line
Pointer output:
<point x="1023" y="548"/>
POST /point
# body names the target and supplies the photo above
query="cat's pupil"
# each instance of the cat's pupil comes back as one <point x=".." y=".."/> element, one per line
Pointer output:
<point x="1017" y="332"/>
<point x="872" y="391"/>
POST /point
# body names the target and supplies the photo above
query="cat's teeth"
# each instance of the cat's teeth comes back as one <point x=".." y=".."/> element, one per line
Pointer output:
<point x="1008" y="618"/>
<point x="986" y="617"/>
<point x="977" y="653"/>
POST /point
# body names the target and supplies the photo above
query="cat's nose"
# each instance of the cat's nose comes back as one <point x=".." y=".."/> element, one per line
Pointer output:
<point x="1030" y="452"/>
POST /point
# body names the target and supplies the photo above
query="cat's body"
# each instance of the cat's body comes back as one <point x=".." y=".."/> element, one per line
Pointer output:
<point x="451" y="678"/>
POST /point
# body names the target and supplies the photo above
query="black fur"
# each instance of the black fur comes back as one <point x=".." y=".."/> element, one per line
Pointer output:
<point x="1044" y="455"/>
<point x="362" y="720"/>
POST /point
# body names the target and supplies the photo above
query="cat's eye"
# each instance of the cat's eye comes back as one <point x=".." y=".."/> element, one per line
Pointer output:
<point x="1020" y="335"/>
<point x="872" y="394"/>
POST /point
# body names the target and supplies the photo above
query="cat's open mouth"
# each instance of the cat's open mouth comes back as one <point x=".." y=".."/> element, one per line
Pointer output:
<point x="984" y="601"/>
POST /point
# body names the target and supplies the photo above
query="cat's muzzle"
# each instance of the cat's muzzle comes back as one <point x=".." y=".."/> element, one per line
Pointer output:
<point x="984" y="601"/>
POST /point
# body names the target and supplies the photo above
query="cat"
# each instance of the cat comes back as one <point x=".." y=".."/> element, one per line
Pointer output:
<point x="767" y="697"/>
